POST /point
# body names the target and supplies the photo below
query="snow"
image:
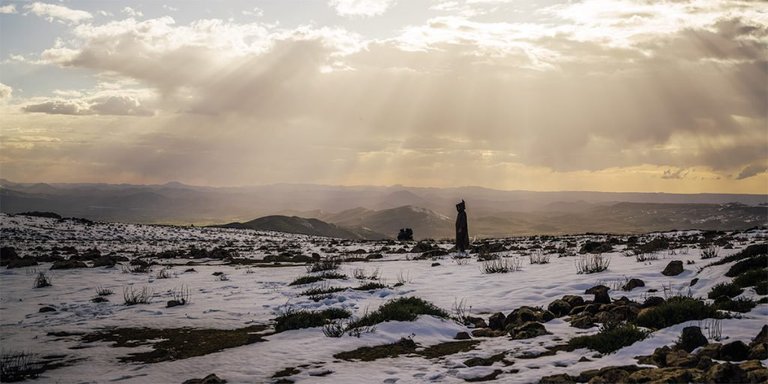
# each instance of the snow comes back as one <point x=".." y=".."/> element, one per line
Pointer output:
<point x="255" y="295"/>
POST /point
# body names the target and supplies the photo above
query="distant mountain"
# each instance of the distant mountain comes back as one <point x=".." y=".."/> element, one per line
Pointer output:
<point x="303" y="226"/>
<point x="424" y="222"/>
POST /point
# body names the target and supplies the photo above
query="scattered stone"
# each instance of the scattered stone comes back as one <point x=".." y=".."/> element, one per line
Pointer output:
<point x="653" y="301"/>
<point x="528" y="330"/>
<point x="47" y="309"/>
<point x="462" y="336"/>
<point x="674" y="268"/>
<point x="559" y="308"/>
<point x="68" y="264"/>
<point x="476" y="322"/>
<point x="632" y="284"/>
<point x="210" y="379"/>
<point x="584" y="359"/>
<point x="573" y="300"/>
<point x="726" y="373"/>
<point x="487" y="332"/>
<point x="174" y="303"/>
<point x="435" y="264"/>
<point x="601" y="294"/>
<point x="496" y="321"/>
<point x="692" y="338"/>
<point x="99" y="299"/>
<point x="694" y="281"/>
<point x="734" y="351"/>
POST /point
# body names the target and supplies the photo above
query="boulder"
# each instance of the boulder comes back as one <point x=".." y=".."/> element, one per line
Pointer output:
<point x="559" y="308"/>
<point x="734" y="351"/>
<point x="674" y="268"/>
<point x="47" y="309"/>
<point x="22" y="262"/>
<point x="7" y="254"/>
<point x="663" y="375"/>
<point x="692" y="338"/>
<point x="496" y="321"/>
<point x="583" y="321"/>
<point x="528" y="330"/>
<point x="462" y="336"/>
<point x="726" y="373"/>
<point x="681" y="358"/>
<point x="487" y="332"/>
<point x="762" y="336"/>
<point x="573" y="300"/>
<point x="632" y="284"/>
<point x="476" y="322"/>
<point x="653" y="301"/>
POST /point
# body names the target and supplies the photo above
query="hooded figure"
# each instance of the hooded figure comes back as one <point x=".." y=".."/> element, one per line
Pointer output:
<point x="462" y="231"/>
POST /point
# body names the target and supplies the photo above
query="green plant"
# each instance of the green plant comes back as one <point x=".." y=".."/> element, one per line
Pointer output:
<point x="322" y="289"/>
<point x="502" y="265"/>
<point x="675" y="310"/>
<point x="756" y="262"/>
<point x="297" y="319"/>
<point x="751" y="278"/>
<point x="308" y="279"/>
<point x="133" y="296"/>
<point x="400" y="309"/>
<point x="742" y="305"/>
<point x="724" y="289"/>
<point x="370" y="286"/>
<point x="610" y="338"/>
<point x="42" y="280"/>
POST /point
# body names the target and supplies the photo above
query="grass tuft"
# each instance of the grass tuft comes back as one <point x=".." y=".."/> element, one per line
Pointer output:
<point x="675" y="310"/>
<point x="610" y="339"/>
<point x="400" y="309"/>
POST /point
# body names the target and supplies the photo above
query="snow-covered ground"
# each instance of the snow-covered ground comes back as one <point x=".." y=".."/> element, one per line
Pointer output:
<point x="256" y="295"/>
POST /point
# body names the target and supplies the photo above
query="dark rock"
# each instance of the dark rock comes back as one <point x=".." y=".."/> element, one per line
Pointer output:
<point x="674" y="268"/>
<point x="210" y="379"/>
<point x="758" y="351"/>
<point x="558" y="379"/>
<point x="487" y="332"/>
<point x="559" y="308"/>
<point x="584" y="359"/>
<point x="573" y="300"/>
<point x="99" y="299"/>
<point x="762" y="336"/>
<point x="22" y="262"/>
<point x="711" y="351"/>
<point x="681" y="358"/>
<point x="104" y="261"/>
<point x="528" y="330"/>
<point x="596" y="247"/>
<point x="601" y="294"/>
<point x="632" y="284"/>
<point x="756" y="372"/>
<point x="174" y="303"/>
<point x="694" y="281"/>
<point x="577" y="310"/>
<point x="662" y="375"/>
<point x="68" y="264"/>
<point x="7" y="254"/>
<point x="726" y="373"/>
<point x="47" y="309"/>
<point x="583" y="321"/>
<point x="423" y="246"/>
<point x="462" y="336"/>
<point x="692" y="338"/>
<point x="477" y="322"/>
<point x="653" y="301"/>
<point x="496" y="321"/>
<point x="520" y="316"/>
<point x="734" y="351"/>
<point x="592" y="308"/>
<point x="435" y="264"/>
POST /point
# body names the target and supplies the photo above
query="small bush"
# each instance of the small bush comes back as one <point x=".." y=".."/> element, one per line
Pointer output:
<point x="18" y="366"/>
<point x="502" y="265"/>
<point x="643" y="257"/>
<point x="724" y="289"/>
<point x="322" y="289"/>
<point x="101" y="291"/>
<point x="751" y="278"/>
<point x="401" y="309"/>
<point x="308" y="279"/>
<point x="748" y="252"/>
<point x="592" y="263"/>
<point x="370" y="286"/>
<point x="292" y="319"/>
<point x="42" y="280"/>
<point x="741" y="305"/>
<point x="334" y="330"/>
<point x="132" y="296"/>
<point x="610" y="339"/>
<point x="714" y="328"/>
<point x="538" y="257"/>
<point x="181" y="296"/>
<point x="164" y="273"/>
<point x="137" y="268"/>
<point x="757" y="262"/>
<point x="710" y="252"/>
<point x="675" y="310"/>
<point x="362" y="274"/>
<point x="403" y="278"/>
<point x="329" y="264"/>
<point x="761" y="288"/>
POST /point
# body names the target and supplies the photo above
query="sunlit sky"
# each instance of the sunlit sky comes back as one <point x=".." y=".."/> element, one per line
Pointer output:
<point x="662" y="96"/>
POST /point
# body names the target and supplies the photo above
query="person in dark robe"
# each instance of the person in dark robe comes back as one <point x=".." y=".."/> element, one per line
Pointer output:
<point x="462" y="231"/>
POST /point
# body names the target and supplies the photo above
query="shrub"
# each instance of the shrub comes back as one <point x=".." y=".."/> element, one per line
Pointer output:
<point x="293" y="319"/>
<point x="610" y="338"/>
<point x="133" y="296"/>
<point x="101" y="291"/>
<point x="643" y="257"/>
<point x="164" y="273"/>
<point x="502" y="265"/>
<point x="757" y="262"/>
<point x="322" y="289"/>
<point x="750" y="251"/>
<point x="675" y="310"/>
<point x="179" y="296"/>
<point x="370" y="286"/>
<point x="400" y="309"/>
<point x="362" y="274"/>
<point x="709" y="252"/>
<point x="724" y="289"/>
<point x="751" y="278"/>
<point x="592" y="263"/>
<point x="329" y="264"/>
<point x="42" y="280"/>
<point x="762" y="288"/>
<point x="538" y="257"/>
<point x="741" y="305"/>
<point x="18" y="366"/>
<point x="308" y="279"/>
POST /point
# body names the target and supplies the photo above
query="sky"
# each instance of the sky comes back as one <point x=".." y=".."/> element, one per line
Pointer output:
<point x="646" y="96"/>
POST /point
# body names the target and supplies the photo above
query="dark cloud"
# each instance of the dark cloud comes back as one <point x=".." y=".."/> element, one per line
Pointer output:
<point x="751" y="170"/>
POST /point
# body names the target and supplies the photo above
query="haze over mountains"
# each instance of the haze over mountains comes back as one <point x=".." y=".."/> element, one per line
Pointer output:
<point x="373" y="212"/>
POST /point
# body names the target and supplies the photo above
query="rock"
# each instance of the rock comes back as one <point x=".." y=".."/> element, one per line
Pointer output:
<point x="68" y="264"/>
<point x="583" y="321"/>
<point x="547" y="316"/>
<point x="559" y="308"/>
<point x="462" y="336"/>
<point x="592" y="308"/>
<point x="496" y="321"/>
<point x="577" y="310"/>
<point x="487" y="332"/>
<point x="573" y="300"/>
<point x="210" y="379"/>
<point x="653" y="301"/>
<point x="47" y="309"/>
<point x="520" y="316"/>
<point x="7" y="254"/>
<point x="610" y="375"/>
<point x="674" y="268"/>
<point x="704" y="363"/>
<point x="174" y="303"/>
<point x="632" y="284"/>
<point x="528" y="330"/>
<point x="694" y="281"/>
<point x="435" y="264"/>
<point x="595" y="247"/>
<point x="99" y="299"/>
<point x="756" y="372"/>
<point x="758" y="351"/>
<point x="681" y="358"/>
<point x="711" y="351"/>
<point x="422" y="246"/>
<point x="726" y="373"/>
<point x="475" y="322"/>
<point x="601" y="294"/>
<point x="104" y="261"/>
<point x="762" y="337"/>
<point x="734" y="351"/>
<point x="22" y="262"/>
<point x="662" y="375"/>
<point x="584" y="359"/>
<point x="692" y="338"/>
<point x="558" y="379"/>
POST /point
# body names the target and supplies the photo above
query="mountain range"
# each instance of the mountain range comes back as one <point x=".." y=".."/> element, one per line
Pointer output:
<point x="375" y="212"/>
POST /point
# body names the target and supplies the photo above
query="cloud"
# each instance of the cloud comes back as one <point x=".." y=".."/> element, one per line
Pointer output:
<point x="8" y="9"/>
<point x="119" y="105"/>
<point x="360" y="8"/>
<point x="675" y="174"/>
<point x="751" y="170"/>
<point x="5" y="92"/>
<point x="53" y="12"/>
<point x="132" y="12"/>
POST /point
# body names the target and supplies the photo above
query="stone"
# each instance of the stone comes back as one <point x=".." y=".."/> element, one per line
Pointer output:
<point x="462" y="336"/>
<point x="758" y="351"/>
<point x="99" y="299"/>
<point x="104" y="261"/>
<point x="681" y="358"/>
<point x="583" y="321"/>
<point x="22" y="262"/>
<point x="559" y="308"/>
<point x="632" y="284"/>
<point x="496" y="321"/>
<point x="558" y="379"/>
<point x="47" y="309"/>
<point x="528" y="330"/>
<point x="487" y="332"/>
<point x="601" y="294"/>
<point x="692" y="338"/>
<point x="521" y="316"/>
<point x="726" y="373"/>
<point x="210" y="379"/>
<point x="762" y="337"/>
<point x="653" y="301"/>
<point x="435" y="264"/>
<point x="7" y="254"/>
<point x="174" y="303"/>
<point x="674" y="268"/>
<point x="711" y="351"/>
<point x="734" y="351"/>
<point x="476" y="322"/>
<point x="573" y="300"/>
<point x="662" y="375"/>
<point x="68" y="264"/>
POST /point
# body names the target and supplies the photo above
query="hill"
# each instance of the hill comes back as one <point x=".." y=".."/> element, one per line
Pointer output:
<point x="304" y="226"/>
